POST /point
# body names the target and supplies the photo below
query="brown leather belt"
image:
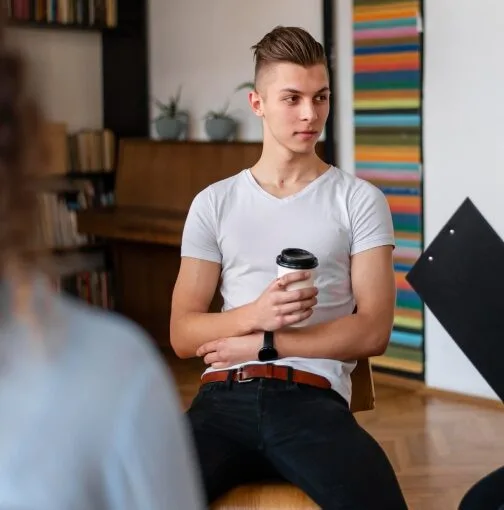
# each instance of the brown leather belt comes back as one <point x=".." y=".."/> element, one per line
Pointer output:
<point x="267" y="371"/>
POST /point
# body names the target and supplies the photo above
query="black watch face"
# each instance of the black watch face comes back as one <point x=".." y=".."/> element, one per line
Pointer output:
<point x="267" y="354"/>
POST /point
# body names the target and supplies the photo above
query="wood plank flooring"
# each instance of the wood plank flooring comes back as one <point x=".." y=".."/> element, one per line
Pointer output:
<point x="438" y="447"/>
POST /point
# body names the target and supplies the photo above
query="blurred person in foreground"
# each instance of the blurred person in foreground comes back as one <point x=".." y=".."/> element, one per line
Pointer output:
<point x="90" y="418"/>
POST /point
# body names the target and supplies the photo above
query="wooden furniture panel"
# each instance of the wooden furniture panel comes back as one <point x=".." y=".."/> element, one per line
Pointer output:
<point x="161" y="175"/>
<point x="137" y="224"/>
<point x="146" y="276"/>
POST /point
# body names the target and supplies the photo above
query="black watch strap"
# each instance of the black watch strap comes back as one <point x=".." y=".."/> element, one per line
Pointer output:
<point x="268" y="339"/>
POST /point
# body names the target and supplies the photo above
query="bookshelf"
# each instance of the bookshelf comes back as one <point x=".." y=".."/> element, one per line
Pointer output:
<point x="64" y="13"/>
<point x="54" y="25"/>
<point x="84" y="175"/>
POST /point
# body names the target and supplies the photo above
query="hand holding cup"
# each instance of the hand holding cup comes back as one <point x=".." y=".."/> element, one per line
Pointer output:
<point x="290" y="299"/>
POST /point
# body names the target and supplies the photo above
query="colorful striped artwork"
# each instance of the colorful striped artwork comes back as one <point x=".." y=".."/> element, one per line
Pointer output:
<point x="387" y="113"/>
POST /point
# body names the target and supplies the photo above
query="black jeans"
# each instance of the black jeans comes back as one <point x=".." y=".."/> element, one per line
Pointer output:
<point x="264" y="429"/>
<point x="486" y="494"/>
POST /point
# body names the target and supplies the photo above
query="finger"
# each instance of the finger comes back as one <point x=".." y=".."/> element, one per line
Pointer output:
<point x="206" y="348"/>
<point x="220" y="364"/>
<point x="296" y="295"/>
<point x="278" y="284"/>
<point x="297" y="306"/>
<point x="297" y="276"/>
<point x="296" y="317"/>
<point x="286" y="279"/>
<point x="211" y="358"/>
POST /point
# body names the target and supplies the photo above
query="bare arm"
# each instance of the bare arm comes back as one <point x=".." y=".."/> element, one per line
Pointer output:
<point x="191" y="324"/>
<point x="365" y="333"/>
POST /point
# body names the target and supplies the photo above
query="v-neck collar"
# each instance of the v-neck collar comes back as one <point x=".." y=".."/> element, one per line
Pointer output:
<point x="289" y="198"/>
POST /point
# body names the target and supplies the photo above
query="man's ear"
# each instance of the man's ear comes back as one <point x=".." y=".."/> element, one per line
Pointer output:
<point x="256" y="103"/>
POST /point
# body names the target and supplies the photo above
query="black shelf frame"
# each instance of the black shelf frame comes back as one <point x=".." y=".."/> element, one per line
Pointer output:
<point x="126" y="72"/>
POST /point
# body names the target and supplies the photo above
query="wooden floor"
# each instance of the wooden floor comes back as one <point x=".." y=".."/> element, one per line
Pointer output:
<point x="438" y="447"/>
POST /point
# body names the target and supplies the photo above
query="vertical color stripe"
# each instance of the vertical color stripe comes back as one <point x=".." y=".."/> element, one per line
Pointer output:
<point x="387" y="117"/>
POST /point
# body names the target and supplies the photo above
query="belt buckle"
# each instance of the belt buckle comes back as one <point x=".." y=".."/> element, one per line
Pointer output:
<point x="239" y="376"/>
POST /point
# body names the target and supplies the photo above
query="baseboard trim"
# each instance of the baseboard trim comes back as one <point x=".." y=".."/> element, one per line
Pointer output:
<point x="396" y="381"/>
<point x="463" y="398"/>
<point x="420" y="388"/>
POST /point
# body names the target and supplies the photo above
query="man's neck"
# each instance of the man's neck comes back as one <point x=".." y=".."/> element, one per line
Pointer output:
<point x="282" y="168"/>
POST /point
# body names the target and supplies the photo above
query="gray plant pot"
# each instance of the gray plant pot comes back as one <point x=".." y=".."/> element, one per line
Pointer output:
<point x="220" y="129"/>
<point x="169" y="128"/>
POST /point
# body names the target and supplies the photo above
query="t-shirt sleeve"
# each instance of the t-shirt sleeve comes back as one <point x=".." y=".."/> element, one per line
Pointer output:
<point x="199" y="238"/>
<point x="370" y="219"/>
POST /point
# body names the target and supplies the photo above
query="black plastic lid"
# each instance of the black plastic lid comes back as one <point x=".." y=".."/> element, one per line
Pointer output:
<point x="296" y="258"/>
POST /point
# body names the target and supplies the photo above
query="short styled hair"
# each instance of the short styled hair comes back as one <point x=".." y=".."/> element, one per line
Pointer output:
<point x="287" y="44"/>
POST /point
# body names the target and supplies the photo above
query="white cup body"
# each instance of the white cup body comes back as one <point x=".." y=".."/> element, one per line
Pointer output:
<point x="303" y="284"/>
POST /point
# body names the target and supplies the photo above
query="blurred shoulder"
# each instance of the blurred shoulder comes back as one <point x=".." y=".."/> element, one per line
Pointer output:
<point x="103" y="335"/>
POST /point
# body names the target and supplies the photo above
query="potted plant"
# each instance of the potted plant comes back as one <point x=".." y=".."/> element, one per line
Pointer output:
<point x="219" y="124"/>
<point x="171" y="123"/>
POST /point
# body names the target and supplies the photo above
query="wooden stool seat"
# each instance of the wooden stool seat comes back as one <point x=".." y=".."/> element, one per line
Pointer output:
<point x="267" y="496"/>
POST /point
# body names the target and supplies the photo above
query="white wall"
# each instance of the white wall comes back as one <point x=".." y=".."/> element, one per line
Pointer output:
<point x="463" y="145"/>
<point x="344" y="85"/>
<point x="66" y="73"/>
<point x="205" y="47"/>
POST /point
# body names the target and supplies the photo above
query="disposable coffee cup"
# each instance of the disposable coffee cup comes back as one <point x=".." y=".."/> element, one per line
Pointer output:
<point x="294" y="260"/>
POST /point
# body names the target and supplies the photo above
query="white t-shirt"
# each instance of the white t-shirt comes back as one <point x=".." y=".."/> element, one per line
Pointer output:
<point x="241" y="226"/>
<point x="91" y="417"/>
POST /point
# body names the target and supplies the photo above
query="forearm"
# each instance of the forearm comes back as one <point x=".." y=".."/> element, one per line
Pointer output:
<point x="351" y="337"/>
<point x="191" y="330"/>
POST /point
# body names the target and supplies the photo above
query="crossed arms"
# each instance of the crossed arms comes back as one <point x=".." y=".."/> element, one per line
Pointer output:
<point x="235" y="336"/>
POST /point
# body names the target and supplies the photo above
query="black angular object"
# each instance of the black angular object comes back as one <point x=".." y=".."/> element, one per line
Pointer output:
<point x="460" y="277"/>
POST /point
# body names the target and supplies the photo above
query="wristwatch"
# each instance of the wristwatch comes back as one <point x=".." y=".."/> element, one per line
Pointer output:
<point x="267" y="351"/>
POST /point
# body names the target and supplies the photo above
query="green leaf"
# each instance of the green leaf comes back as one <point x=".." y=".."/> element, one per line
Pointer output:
<point x="245" y="85"/>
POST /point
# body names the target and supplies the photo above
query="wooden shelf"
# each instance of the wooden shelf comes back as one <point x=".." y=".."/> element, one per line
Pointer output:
<point x="72" y="182"/>
<point x="59" y="26"/>
<point x="95" y="174"/>
<point x="137" y="224"/>
<point x="62" y="250"/>
<point x="83" y="248"/>
<point x="73" y="263"/>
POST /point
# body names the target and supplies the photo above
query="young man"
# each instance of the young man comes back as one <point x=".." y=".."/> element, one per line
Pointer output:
<point x="287" y="414"/>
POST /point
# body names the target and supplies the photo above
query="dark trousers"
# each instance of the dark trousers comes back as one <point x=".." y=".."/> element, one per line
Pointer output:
<point x="486" y="494"/>
<point x="264" y="429"/>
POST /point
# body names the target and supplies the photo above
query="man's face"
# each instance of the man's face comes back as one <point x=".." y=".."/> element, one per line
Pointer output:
<point x="294" y="104"/>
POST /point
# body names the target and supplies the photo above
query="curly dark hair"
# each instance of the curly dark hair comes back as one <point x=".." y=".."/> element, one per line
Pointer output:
<point x="22" y="156"/>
